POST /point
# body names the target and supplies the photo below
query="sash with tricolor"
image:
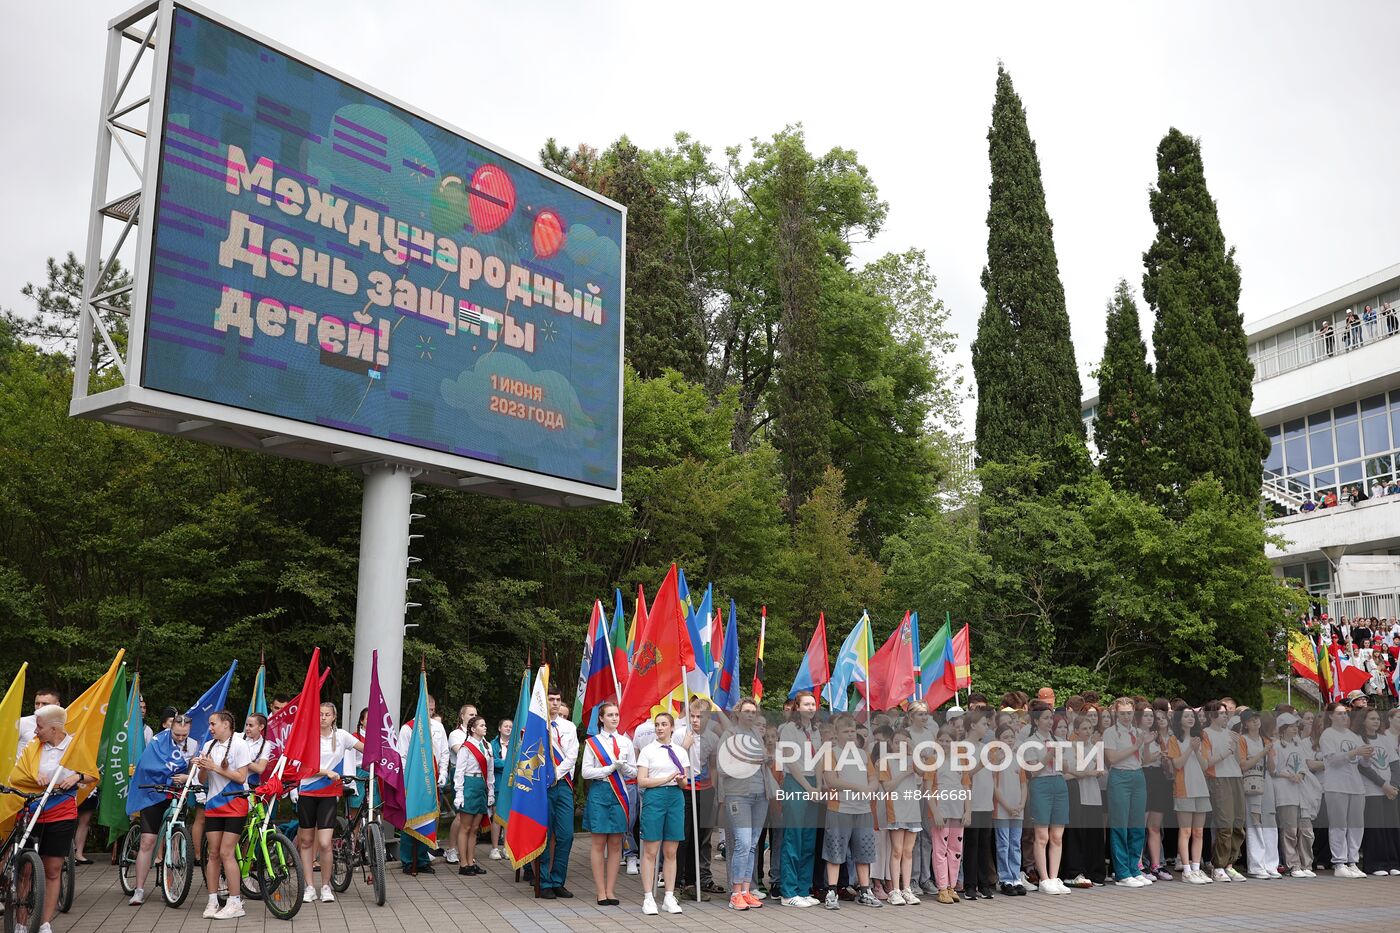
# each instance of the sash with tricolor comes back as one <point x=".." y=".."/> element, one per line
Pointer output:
<point x="615" y="781"/>
<point x="557" y="755"/>
<point x="323" y="786"/>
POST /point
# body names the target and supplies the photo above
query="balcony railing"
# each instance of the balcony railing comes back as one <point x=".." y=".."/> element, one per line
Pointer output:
<point x="1319" y="347"/>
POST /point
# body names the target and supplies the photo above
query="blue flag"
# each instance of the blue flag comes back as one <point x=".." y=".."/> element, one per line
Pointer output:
<point x="159" y="763"/>
<point x="505" y="786"/>
<point x="259" y="702"/>
<point x="726" y="680"/>
<point x="852" y="665"/>
<point x="527" y="828"/>
<point x="420" y="774"/>
<point x="214" y="699"/>
<point x="918" y="669"/>
<point x="135" y="726"/>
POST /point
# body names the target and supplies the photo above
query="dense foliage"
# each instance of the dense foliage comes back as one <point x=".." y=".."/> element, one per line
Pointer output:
<point x="790" y="431"/>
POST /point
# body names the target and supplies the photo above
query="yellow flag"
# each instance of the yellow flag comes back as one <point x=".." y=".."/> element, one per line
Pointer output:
<point x="86" y="714"/>
<point x="11" y="708"/>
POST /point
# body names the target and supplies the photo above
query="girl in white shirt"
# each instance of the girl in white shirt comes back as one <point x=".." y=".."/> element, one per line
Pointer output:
<point x="1380" y="847"/>
<point x="1341" y="750"/>
<point x="1261" y="829"/>
<point x="661" y="770"/>
<point x="1190" y="793"/>
<point x="1297" y="794"/>
<point x="455" y="835"/>
<point x="473" y="791"/>
<point x="609" y="767"/>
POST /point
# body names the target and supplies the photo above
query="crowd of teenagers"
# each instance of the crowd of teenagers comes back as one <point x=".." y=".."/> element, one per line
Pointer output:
<point x="816" y="809"/>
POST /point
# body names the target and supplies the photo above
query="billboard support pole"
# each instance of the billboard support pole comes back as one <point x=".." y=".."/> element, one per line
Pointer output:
<point x="383" y="579"/>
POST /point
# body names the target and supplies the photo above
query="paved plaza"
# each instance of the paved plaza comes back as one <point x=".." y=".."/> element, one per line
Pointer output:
<point x="445" y="902"/>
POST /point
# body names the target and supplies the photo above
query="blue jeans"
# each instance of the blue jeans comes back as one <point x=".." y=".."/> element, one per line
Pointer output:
<point x="1127" y="819"/>
<point x="1008" y="851"/>
<point x="745" y="814"/>
<point x="799" y="841"/>
<point x="554" y="871"/>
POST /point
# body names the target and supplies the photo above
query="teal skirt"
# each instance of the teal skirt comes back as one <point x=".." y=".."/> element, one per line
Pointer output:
<point x="663" y="814"/>
<point x="473" y="794"/>
<point x="603" y="812"/>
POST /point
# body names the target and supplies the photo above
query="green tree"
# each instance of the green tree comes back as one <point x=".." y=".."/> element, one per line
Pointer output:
<point x="831" y="571"/>
<point x="1127" y="421"/>
<point x="1034" y="403"/>
<point x="1204" y="376"/>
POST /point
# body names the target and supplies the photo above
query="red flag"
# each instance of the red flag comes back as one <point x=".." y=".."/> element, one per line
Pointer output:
<point x="817" y="664"/>
<point x="758" y="658"/>
<point x="962" y="659"/>
<point x="300" y="745"/>
<point x="892" y="669"/>
<point x="662" y="647"/>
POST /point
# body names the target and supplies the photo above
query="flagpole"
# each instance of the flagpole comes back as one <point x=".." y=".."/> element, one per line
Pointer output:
<point x="612" y="668"/>
<point x="694" y="809"/>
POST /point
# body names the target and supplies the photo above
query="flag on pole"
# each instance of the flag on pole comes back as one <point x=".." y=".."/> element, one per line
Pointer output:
<point x="504" y="793"/>
<point x="1324" y="670"/>
<point x="639" y="620"/>
<point x="891" y="670"/>
<point x="420" y="774"/>
<point x="135" y="726"/>
<point x="258" y="704"/>
<point x="598" y="686"/>
<point x="852" y="665"/>
<point x="294" y="732"/>
<point x="698" y="629"/>
<point x="86" y="716"/>
<point x="214" y="699"/>
<point x="662" y="646"/>
<point x="11" y="709"/>
<point x="758" y="656"/>
<point x="962" y="658"/>
<point x="115" y="762"/>
<point x="617" y="637"/>
<point x="527" y="827"/>
<point x="914" y="628"/>
<point x="938" y="667"/>
<point x="813" y="673"/>
<point x="1302" y="656"/>
<point x="727" y="681"/>
<point x="586" y="664"/>
<point x="381" y="737"/>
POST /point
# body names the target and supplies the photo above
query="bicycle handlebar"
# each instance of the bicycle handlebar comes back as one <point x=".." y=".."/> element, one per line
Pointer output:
<point x="6" y="789"/>
<point x="172" y="788"/>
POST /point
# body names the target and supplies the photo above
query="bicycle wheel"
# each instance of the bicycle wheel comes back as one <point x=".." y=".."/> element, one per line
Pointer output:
<point x="68" y="880"/>
<point x="177" y="874"/>
<point x="374" y="861"/>
<point x="280" y="877"/>
<point x="24" y="892"/>
<point x="128" y="849"/>
<point x="342" y="862"/>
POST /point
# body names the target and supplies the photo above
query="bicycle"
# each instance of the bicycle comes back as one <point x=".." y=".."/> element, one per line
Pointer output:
<point x="359" y="841"/>
<point x="22" y="878"/>
<point x="173" y="845"/>
<point x="68" y="881"/>
<point x="268" y="863"/>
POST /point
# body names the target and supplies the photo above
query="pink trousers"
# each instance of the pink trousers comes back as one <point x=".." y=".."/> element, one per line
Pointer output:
<point x="947" y="852"/>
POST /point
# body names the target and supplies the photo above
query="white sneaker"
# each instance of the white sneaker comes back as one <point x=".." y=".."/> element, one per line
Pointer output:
<point x="1130" y="882"/>
<point x="1275" y="873"/>
<point x="1260" y="875"/>
<point x="138" y="897"/>
<point x="1221" y="876"/>
<point x="1234" y="873"/>
<point x="670" y="904"/>
<point x="793" y="902"/>
<point x="232" y="910"/>
<point x="649" y="905"/>
<point x="1205" y="876"/>
<point x="1395" y="871"/>
<point x="496" y="854"/>
<point x="1046" y="887"/>
<point x="1197" y="877"/>
<point x="1025" y="883"/>
<point x="1341" y="871"/>
<point x="211" y="908"/>
<point x="1380" y="874"/>
<point x="1147" y="877"/>
<point x="327" y="895"/>
<point x="309" y="895"/>
<point x="450" y="856"/>
<point x="896" y="898"/>
<point x="45" y="928"/>
<point x="1188" y="876"/>
<point x="632" y="866"/>
<point x="910" y="897"/>
<point x="810" y="901"/>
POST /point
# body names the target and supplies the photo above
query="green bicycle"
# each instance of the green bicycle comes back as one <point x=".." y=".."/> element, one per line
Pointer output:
<point x="268" y="862"/>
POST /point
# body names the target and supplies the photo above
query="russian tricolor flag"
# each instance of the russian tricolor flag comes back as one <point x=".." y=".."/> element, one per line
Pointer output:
<point x="813" y="674"/>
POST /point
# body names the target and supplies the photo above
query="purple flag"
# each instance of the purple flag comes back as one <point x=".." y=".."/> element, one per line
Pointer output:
<point x="380" y="738"/>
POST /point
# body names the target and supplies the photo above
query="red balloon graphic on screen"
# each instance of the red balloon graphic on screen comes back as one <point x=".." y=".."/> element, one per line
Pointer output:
<point x="492" y="198"/>
<point x="548" y="234"/>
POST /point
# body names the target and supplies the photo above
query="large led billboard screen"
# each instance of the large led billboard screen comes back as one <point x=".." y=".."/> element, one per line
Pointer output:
<point x="324" y="255"/>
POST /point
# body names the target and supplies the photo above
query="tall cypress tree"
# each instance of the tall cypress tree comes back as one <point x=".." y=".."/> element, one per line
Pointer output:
<point x="1204" y="376"/>
<point x="1026" y="368"/>
<point x="803" y="427"/>
<point x="1126" y="424"/>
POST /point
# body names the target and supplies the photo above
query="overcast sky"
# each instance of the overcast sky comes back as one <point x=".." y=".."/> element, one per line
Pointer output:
<point x="1295" y="104"/>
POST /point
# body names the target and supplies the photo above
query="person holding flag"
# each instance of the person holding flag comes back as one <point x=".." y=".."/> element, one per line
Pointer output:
<point x="318" y="798"/>
<point x="224" y="762"/>
<point x="414" y="850"/>
<point x="609" y="765"/>
<point x="563" y="750"/>
<point x="40" y="768"/>
<point x="164" y="761"/>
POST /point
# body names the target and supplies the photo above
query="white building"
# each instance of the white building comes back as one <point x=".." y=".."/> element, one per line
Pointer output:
<point x="1330" y="405"/>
